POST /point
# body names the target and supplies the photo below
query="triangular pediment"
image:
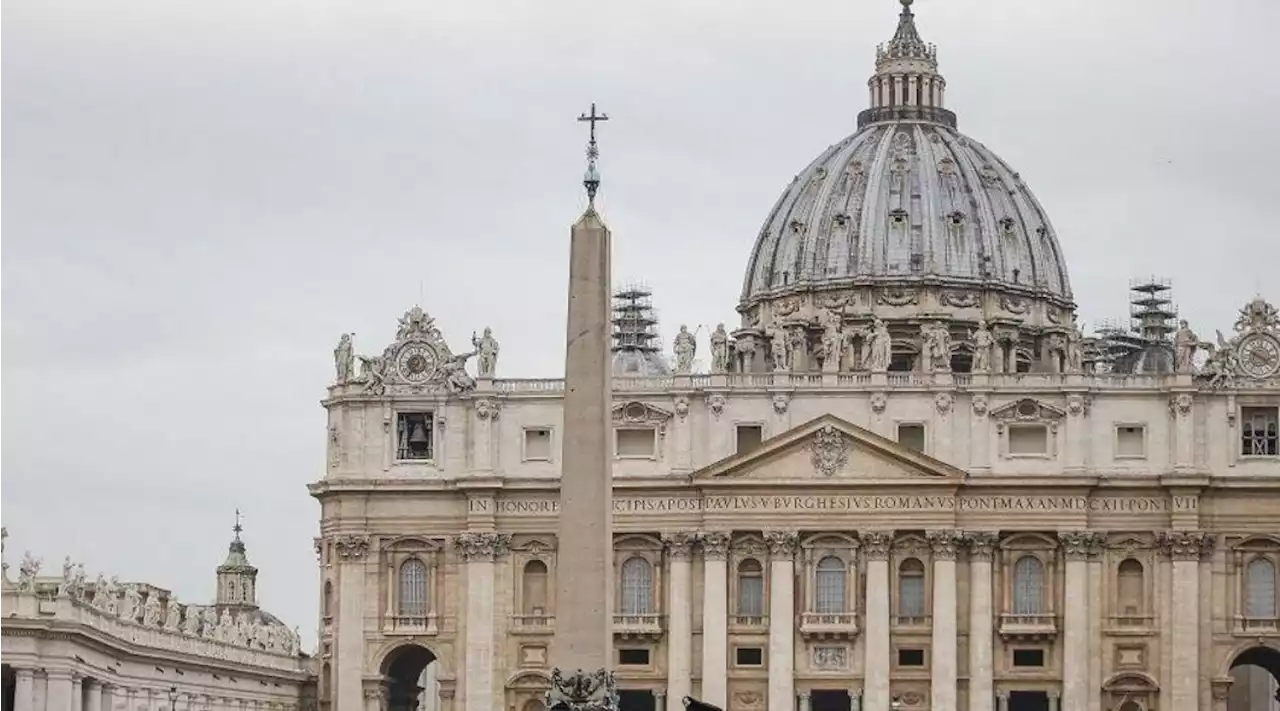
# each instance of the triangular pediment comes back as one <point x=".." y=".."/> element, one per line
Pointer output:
<point x="829" y="448"/>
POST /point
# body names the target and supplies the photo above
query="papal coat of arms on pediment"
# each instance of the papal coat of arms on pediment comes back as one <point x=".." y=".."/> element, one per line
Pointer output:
<point x="830" y="451"/>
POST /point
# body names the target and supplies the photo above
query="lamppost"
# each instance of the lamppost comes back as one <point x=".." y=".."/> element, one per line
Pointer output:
<point x="173" y="698"/>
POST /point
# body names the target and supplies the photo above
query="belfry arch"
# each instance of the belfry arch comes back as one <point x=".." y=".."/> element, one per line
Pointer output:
<point x="409" y="679"/>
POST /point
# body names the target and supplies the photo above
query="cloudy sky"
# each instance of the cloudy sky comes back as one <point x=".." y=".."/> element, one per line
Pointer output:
<point x="201" y="195"/>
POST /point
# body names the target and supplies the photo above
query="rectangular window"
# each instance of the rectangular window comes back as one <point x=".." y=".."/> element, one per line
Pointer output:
<point x="749" y="437"/>
<point x="749" y="656"/>
<point x="1028" y="657"/>
<point x="537" y="444"/>
<point x="1028" y="440"/>
<point x="1259" y="432"/>
<point x="633" y="657"/>
<point x="415" y="433"/>
<point x="1131" y="442"/>
<point x="910" y="657"/>
<point x="911" y="435"/>
<point x="636" y="443"/>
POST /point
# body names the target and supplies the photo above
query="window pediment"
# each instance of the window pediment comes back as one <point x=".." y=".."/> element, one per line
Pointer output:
<point x="1028" y="410"/>
<point x="534" y="545"/>
<point x="412" y="544"/>
<point x="636" y="413"/>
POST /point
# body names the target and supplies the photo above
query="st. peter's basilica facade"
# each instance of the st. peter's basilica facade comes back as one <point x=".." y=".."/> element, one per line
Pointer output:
<point x="905" y="479"/>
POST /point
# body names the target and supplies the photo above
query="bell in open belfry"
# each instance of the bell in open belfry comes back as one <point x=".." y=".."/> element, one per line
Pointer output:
<point x="418" y="437"/>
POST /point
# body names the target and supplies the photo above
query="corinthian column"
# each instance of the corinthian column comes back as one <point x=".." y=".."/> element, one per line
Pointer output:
<point x="875" y="668"/>
<point x="479" y="550"/>
<point x="715" y="617"/>
<point x="782" y="647"/>
<point x="347" y="673"/>
<point x="943" y="671"/>
<point x="680" y="620"/>
<point x="1076" y="546"/>
<point x="981" y="683"/>
<point x="1185" y="548"/>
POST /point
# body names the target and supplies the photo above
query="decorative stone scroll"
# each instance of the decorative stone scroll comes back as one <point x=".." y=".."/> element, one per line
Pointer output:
<point x="488" y="408"/>
<point x="1180" y="404"/>
<point x="782" y="544"/>
<point x="981" y="544"/>
<point x="829" y="451"/>
<point x="876" y="544"/>
<point x="714" y="544"/>
<point x="679" y="544"/>
<point x="1080" y="545"/>
<point x="583" y="691"/>
<point x="944" y="543"/>
<point x="716" y="403"/>
<point x="1186" y="545"/>
<point x="482" y="547"/>
<point x="351" y="546"/>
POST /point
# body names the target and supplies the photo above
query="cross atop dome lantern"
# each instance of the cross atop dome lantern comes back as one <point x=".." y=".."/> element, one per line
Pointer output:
<point x="906" y="83"/>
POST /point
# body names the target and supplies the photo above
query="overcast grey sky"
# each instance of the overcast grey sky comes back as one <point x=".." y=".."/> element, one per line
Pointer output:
<point x="201" y="195"/>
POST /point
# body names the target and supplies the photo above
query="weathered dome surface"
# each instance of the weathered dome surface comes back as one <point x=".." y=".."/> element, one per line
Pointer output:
<point x="907" y="198"/>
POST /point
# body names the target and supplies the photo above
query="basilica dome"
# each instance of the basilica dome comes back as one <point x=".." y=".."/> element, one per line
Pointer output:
<point x="908" y="200"/>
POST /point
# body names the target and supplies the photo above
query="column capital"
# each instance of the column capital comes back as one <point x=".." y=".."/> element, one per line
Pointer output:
<point x="351" y="546"/>
<point x="679" y="544"/>
<point x="24" y="672"/>
<point x="876" y="544"/>
<point x="1186" y="545"/>
<point x="1221" y="688"/>
<point x="1080" y="545"/>
<point x="714" y="544"/>
<point x="981" y="544"/>
<point x="660" y="694"/>
<point x="482" y="547"/>
<point x="782" y="544"/>
<point x="943" y="543"/>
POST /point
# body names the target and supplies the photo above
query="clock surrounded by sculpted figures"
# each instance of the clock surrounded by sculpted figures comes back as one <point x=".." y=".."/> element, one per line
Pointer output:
<point x="1259" y="355"/>
<point x="416" y="362"/>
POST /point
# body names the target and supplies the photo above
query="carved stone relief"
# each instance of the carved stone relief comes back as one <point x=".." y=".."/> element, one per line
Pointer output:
<point x="830" y="451"/>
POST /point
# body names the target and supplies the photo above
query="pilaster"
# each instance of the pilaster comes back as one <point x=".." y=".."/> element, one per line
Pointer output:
<point x="352" y="550"/>
<point x="782" y="549"/>
<point x="1185" y="549"/>
<point x="715" y="617"/>
<point x="875" y="548"/>
<point x="480" y="550"/>
<point x="981" y="546"/>
<point x="24" y="690"/>
<point x="679" y="548"/>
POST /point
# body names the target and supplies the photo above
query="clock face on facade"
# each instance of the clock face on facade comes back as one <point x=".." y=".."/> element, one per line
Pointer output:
<point x="416" y="362"/>
<point x="1259" y="356"/>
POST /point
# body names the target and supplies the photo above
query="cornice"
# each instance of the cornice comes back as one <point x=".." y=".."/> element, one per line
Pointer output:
<point x="91" y="637"/>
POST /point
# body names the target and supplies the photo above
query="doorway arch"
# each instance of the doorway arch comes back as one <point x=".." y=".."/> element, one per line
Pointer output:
<point x="404" y="669"/>
<point x="1243" y="669"/>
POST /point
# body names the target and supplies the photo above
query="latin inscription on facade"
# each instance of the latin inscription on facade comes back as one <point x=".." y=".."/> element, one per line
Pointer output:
<point x="835" y="502"/>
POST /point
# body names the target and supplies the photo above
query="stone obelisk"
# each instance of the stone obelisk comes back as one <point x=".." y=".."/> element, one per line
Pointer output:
<point x="583" y="645"/>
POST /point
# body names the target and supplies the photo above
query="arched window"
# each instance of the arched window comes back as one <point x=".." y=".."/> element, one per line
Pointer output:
<point x="911" y="596"/>
<point x="533" y="705"/>
<point x="637" y="587"/>
<point x="1260" y="589"/>
<point x="413" y="588"/>
<point x="328" y="598"/>
<point x="535" y="588"/>
<point x="750" y="588"/>
<point x="1028" y="586"/>
<point x="829" y="587"/>
<point x="1129" y="595"/>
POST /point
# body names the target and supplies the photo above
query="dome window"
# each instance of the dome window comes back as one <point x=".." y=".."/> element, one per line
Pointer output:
<point x="796" y="226"/>
<point x="956" y="218"/>
<point x="1006" y="224"/>
<point x="898" y="215"/>
<point x="840" y="219"/>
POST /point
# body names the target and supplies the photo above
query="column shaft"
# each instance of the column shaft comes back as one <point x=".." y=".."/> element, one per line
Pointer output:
<point x="943" y="671"/>
<point x="93" y="696"/>
<point x="680" y="621"/>
<point x="782" y="695"/>
<point x="1186" y="635"/>
<point x="1095" y="631"/>
<point x="875" y="689"/>
<point x="1075" y="635"/>
<point x="24" y="691"/>
<point x="58" y="696"/>
<point x="981" y="684"/>
<point x="715" y="619"/>
<point x="480" y="550"/>
<point x="349" y="668"/>
<point x="77" y="692"/>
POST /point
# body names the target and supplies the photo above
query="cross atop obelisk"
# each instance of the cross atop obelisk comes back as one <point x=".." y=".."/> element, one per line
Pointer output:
<point x="582" y="650"/>
<point x="591" y="180"/>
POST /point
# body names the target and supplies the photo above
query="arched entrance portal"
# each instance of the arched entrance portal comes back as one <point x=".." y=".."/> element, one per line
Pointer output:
<point x="1255" y="675"/>
<point x="410" y="684"/>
